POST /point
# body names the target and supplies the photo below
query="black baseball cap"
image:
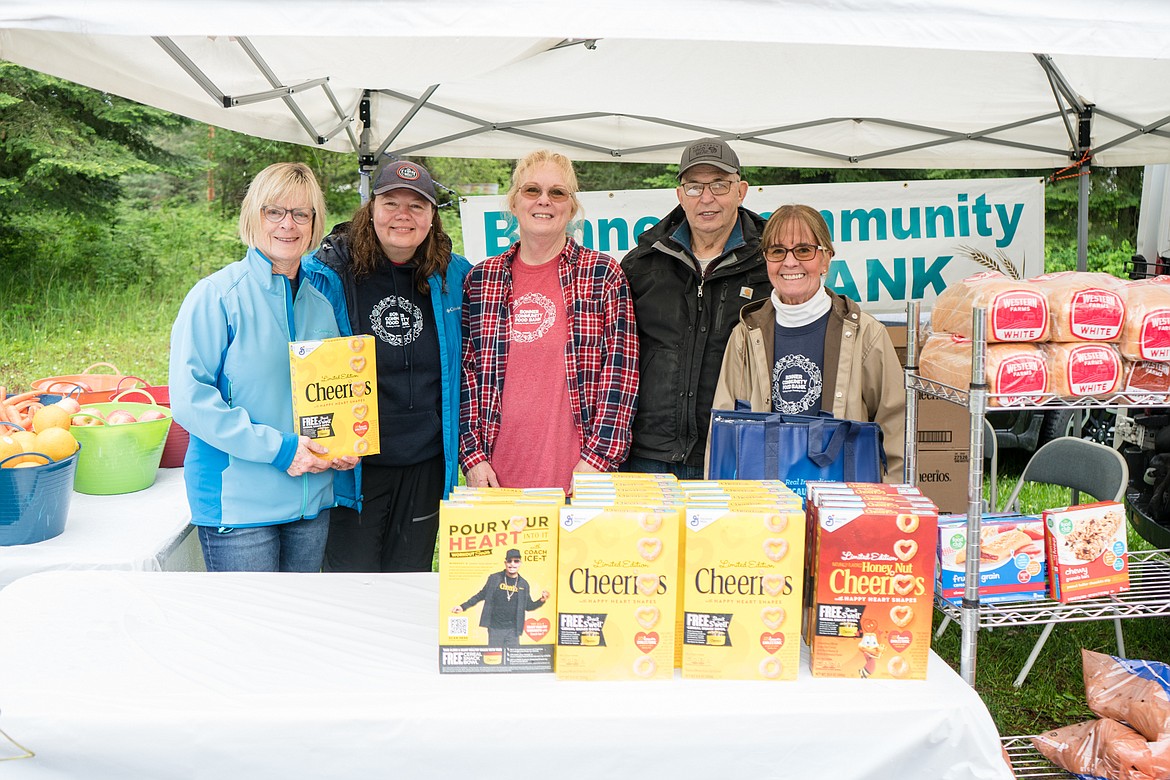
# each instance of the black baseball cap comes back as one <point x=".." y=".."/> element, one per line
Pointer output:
<point x="709" y="151"/>
<point x="513" y="553"/>
<point x="408" y="176"/>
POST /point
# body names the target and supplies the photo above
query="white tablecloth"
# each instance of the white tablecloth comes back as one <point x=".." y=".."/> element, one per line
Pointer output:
<point x="143" y="531"/>
<point x="122" y="674"/>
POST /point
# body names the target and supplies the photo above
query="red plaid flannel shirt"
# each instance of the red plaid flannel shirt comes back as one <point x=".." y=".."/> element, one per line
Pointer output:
<point x="601" y="358"/>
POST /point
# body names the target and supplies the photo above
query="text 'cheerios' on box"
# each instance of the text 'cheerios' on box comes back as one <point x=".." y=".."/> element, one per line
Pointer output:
<point x="617" y="593"/>
<point x="742" y="592"/>
<point x="335" y="394"/>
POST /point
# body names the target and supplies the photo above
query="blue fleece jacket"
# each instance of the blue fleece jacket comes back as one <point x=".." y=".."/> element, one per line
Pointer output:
<point x="329" y="270"/>
<point x="230" y="388"/>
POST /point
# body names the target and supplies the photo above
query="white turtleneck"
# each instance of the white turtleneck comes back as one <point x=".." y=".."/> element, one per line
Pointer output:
<point x="800" y="314"/>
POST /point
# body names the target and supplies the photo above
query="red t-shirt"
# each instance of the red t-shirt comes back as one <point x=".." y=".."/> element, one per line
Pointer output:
<point x="538" y="444"/>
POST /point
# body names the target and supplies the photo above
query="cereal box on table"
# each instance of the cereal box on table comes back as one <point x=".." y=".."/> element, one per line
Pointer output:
<point x="497" y="585"/>
<point x="872" y="594"/>
<point x="617" y="593"/>
<point x="742" y="592"/>
<point x="1088" y="553"/>
<point x="335" y="394"/>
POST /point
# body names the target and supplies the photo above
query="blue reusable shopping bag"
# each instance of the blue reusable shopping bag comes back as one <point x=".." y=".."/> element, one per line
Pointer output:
<point x="794" y="447"/>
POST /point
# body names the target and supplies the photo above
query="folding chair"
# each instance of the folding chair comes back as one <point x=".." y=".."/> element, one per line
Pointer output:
<point x="1089" y="467"/>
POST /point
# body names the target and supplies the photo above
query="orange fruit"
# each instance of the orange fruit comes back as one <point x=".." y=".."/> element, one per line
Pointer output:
<point x="51" y="416"/>
<point x="8" y="447"/>
<point x="57" y="443"/>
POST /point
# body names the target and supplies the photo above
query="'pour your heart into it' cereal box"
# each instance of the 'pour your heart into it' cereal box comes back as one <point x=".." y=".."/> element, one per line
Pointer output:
<point x="497" y="584"/>
<point x="335" y="394"/>
<point x="742" y="592"/>
<point x="617" y="593"/>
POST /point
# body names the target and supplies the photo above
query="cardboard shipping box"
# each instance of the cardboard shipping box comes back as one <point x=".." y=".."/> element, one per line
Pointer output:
<point x="942" y="425"/>
<point x="942" y="477"/>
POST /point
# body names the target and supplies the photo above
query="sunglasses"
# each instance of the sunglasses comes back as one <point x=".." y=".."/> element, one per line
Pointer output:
<point x="555" y="194"/>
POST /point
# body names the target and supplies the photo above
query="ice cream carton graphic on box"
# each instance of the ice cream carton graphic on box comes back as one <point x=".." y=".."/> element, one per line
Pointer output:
<point x="497" y="586"/>
<point x="617" y="593"/>
<point x="742" y="592"/>
<point x="335" y="394"/>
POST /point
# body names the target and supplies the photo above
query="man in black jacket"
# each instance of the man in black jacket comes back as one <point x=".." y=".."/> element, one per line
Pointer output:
<point x="690" y="274"/>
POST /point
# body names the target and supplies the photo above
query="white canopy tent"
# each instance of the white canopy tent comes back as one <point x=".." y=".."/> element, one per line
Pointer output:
<point x="808" y="83"/>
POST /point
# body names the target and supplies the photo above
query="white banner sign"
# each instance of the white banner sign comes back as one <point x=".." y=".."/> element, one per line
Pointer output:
<point x="895" y="241"/>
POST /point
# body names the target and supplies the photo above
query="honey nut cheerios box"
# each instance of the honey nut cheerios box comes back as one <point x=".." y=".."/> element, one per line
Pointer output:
<point x="497" y="584"/>
<point x="617" y="592"/>
<point x="742" y="591"/>
<point x="1088" y="554"/>
<point x="872" y="595"/>
<point x="335" y="394"/>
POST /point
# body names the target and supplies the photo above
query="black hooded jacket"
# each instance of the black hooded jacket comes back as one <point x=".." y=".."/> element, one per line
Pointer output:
<point x="684" y="320"/>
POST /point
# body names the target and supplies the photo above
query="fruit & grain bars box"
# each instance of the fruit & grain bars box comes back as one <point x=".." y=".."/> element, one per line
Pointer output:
<point x="1012" y="561"/>
<point x="335" y="394"/>
<point x="617" y="593"/>
<point x="742" y="592"/>
<point x="497" y="584"/>
<point x="1087" y="551"/>
<point x="872" y="595"/>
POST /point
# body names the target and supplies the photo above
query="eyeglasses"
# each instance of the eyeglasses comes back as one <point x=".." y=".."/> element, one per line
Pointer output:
<point x="513" y="560"/>
<point x="777" y="253"/>
<point x="555" y="194"/>
<point x="276" y="214"/>
<point x="694" y="189"/>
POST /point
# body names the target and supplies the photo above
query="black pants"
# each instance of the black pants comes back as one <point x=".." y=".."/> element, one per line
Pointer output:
<point x="398" y="523"/>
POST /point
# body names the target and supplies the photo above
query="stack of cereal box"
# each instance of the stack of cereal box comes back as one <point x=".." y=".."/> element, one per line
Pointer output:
<point x="1087" y="551"/>
<point x="618" y="583"/>
<point x="498" y="580"/>
<point x="743" y="572"/>
<point x="871" y="557"/>
<point x="1012" y="562"/>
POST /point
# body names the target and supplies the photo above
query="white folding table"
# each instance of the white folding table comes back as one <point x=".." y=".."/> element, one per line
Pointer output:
<point x="189" y="675"/>
<point x="142" y="531"/>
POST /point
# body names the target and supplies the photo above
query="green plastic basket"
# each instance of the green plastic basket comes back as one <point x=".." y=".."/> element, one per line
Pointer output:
<point x="120" y="458"/>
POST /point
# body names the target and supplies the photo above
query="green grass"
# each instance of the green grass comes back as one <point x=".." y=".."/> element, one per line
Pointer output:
<point x="1053" y="694"/>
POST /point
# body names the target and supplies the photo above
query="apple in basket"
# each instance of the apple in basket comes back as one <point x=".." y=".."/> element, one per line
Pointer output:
<point x="151" y="414"/>
<point x="89" y="416"/>
<point x="120" y="417"/>
<point x="69" y="404"/>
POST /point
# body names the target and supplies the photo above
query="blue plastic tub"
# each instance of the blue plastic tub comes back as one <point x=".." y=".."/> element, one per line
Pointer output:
<point x="34" y="501"/>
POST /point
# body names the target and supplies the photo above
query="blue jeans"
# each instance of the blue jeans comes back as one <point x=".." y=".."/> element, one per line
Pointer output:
<point x="296" y="546"/>
<point x="651" y="466"/>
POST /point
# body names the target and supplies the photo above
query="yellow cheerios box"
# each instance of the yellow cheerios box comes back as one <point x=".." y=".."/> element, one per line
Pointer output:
<point x="497" y="586"/>
<point x="616" y="585"/>
<point x="335" y="394"/>
<point x="742" y="594"/>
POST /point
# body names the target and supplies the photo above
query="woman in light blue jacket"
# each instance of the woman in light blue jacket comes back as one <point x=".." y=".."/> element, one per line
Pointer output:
<point x="390" y="274"/>
<point x="259" y="494"/>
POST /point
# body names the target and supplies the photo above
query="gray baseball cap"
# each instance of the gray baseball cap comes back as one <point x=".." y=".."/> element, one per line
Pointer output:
<point x="406" y="176"/>
<point x="709" y="151"/>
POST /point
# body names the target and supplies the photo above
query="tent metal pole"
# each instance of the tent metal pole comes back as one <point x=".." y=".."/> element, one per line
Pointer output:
<point x="366" y="160"/>
<point x="1084" y="149"/>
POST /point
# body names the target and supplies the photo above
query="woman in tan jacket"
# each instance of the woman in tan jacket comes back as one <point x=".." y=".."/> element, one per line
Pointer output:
<point x="806" y="348"/>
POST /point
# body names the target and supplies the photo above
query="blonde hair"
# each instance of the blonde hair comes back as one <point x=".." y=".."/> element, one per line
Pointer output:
<point x="805" y="215"/>
<point x="536" y="159"/>
<point x="276" y="184"/>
